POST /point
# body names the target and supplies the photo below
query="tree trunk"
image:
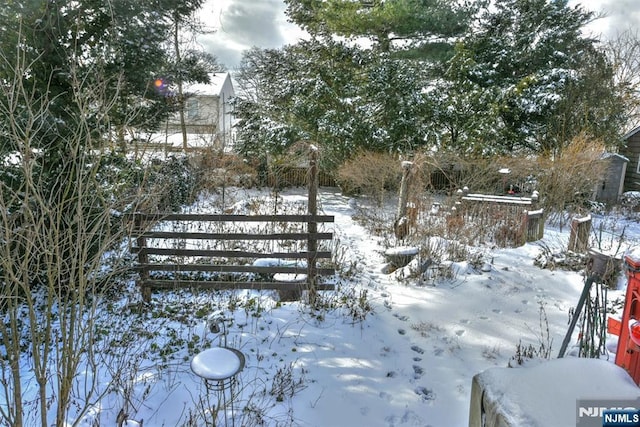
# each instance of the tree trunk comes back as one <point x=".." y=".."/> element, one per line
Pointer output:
<point x="181" y="100"/>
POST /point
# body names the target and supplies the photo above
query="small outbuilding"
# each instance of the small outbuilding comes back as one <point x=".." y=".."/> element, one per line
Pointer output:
<point x="611" y="186"/>
<point x="631" y="150"/>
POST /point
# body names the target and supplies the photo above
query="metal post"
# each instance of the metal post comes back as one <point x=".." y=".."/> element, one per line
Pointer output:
<point x="576" y="314"/>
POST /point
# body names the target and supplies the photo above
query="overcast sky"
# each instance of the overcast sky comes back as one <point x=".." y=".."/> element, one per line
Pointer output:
<point x="620" y="15"/>
<point x="241" y="24"/>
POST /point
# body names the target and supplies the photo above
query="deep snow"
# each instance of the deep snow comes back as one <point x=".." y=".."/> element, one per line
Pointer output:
<point x="410" y="362"/>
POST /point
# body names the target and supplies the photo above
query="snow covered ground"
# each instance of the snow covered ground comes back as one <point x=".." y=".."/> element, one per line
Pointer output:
<point x="409" y="362"/>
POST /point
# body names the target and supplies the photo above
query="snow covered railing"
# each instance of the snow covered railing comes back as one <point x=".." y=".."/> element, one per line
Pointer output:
<point x="514" y="219"/>
<point x="556" y="392"/>
<point x="175" y="253"/>
<point x="491" y="198"/>
<point x="512" y="200"/>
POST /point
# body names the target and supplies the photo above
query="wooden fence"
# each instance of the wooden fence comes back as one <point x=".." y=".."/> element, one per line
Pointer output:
<point x="215" y="263"/>
<point x="165" y="246"/>
<point x="511" y="218"/>
<point x="296" y="177"/>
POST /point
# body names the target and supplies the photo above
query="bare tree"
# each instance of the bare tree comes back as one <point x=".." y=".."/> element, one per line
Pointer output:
<point x="56" y="233"/>
<point x="624" y="53"/>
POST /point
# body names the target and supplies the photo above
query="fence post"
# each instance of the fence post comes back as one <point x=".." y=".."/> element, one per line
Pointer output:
<point x="540" y="229"/>
<point x="524" y="228"/>
<point x="312" y="227"/>
<point x="579" y="237"/>
<point x="401" y="225"/>
<point x="143" y="259"/>
<point x="535" y="196"/>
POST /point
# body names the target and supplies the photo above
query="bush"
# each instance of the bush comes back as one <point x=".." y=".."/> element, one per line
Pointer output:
<point x="173" y="182"/>
<point x="566" y="182"/>
<point x="370" y="173"/>
<point x="218" y="170"/>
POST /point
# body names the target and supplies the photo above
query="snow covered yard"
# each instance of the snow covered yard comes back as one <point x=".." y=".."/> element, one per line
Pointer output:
<point x="382" y="351"/>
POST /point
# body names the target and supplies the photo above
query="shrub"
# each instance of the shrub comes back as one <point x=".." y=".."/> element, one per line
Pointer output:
<point x="216" y="170"/>
<point x="566" y="182"/>
<point x="530" y="351"/>
<point x="174" y="183"/>
<point x="370" y="173"/>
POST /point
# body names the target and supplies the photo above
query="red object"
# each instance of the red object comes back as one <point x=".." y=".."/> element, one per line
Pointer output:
<point x="628" y="350"/>
<point x="634" y="332"/>
<point x="614" y="326"/>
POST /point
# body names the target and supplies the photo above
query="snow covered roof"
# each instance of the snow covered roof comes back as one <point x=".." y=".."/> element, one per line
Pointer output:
<point x="608" y="155"/>
<point x="631" y="132"/>
<point x="214" y="88"/>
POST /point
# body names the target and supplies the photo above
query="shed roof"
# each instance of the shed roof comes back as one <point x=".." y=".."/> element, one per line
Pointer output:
<point x="608" y="155"/>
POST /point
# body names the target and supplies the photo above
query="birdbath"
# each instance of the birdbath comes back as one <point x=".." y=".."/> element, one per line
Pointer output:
<point x="217" y="363"/>
<point x="401" y="255"/>
<point x="290" y="293"/>
<point x="218" y="367"/>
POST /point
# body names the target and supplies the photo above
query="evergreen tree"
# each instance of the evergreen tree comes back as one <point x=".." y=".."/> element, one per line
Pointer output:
<point x="302" y="92"/>
<point x="87" y="67"/>
<point x="127" y="44"/>
<point x="527" y="62"/>
<point x="349" y="95"/>
<point x="464" y="112"/>
<point x="342" y="97"/>
<point x="415" y="28"/>
<point x="64" y="42"/>
<point x="394" y="104"/>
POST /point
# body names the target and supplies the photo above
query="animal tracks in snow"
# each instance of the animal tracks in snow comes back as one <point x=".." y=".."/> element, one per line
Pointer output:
<point x="417" y="349"/>
<point x="401" y="317"/>
<point x="425" y="394"/>
<point x="418" y="371"/>
<point x="431" y="340"/>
